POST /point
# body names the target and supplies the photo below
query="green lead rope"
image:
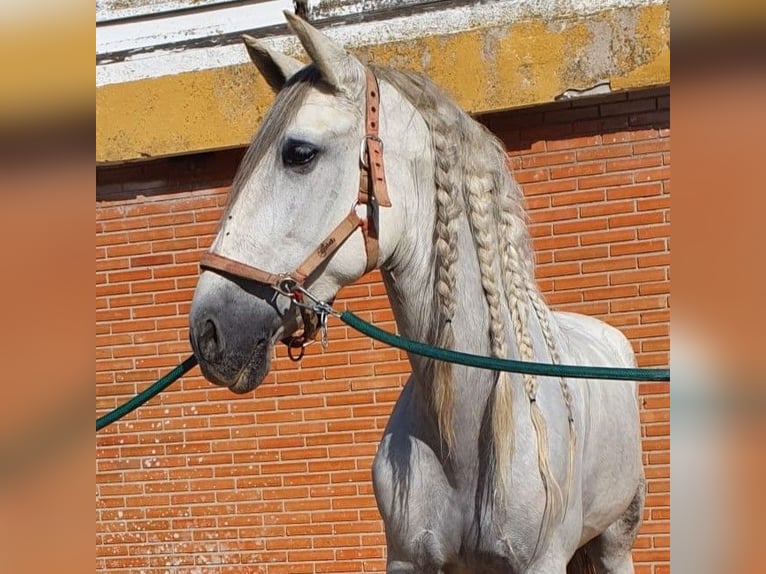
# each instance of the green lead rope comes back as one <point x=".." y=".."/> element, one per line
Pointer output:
<point x="495" y="364"/>
<point x="492" y="363"/>
<point x="147" y="394"/>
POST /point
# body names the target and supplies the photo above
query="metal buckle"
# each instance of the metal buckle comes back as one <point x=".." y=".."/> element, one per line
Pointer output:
<point x="306" y="301"/>
<point x="363" y="148"/>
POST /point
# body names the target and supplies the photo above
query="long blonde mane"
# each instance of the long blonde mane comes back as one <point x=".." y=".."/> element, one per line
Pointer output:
<point x="471" y="175"/>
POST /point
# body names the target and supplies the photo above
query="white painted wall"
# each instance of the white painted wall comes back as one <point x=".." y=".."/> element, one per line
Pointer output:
<point x="117" y="35"/>
<point x="107" y="10"/>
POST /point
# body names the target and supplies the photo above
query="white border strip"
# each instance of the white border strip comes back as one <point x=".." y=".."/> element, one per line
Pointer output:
<point x="439" y="22"/>
<point x="119" y="36"/>
<point x="111" y="10"/>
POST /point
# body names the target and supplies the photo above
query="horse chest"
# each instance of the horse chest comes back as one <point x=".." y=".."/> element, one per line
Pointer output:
<point x="431" y="520"/>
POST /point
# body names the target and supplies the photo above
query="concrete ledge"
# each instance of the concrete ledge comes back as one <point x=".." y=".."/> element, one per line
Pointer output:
<point x="486" y="68"/>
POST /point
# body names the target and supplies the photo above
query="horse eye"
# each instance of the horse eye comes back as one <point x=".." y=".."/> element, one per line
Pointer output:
<point x="298" y="153"/>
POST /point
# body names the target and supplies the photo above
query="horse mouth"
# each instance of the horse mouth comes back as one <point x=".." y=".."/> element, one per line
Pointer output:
<point x="254" y="370"/>
<point x="241" y="377"/>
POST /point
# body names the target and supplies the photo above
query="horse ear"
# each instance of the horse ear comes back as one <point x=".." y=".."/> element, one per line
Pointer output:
<point x="335" y="64"/>
<point x="275" y="67"/>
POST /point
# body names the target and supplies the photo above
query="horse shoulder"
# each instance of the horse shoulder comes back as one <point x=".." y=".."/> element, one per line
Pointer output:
<point x="416" y="501"/>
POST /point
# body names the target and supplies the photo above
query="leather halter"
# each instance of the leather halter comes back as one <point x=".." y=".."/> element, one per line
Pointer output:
<point x="373" y="192"/>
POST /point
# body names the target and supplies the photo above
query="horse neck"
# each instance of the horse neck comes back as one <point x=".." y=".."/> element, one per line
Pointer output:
<point x="410" y="286"/>
<point x="411" y="274"/>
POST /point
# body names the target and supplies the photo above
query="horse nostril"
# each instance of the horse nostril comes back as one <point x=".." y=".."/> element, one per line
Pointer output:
<point x="209" y="342"/>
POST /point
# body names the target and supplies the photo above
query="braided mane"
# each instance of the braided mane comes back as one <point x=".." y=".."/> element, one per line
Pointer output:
<point x="471" y="175"/>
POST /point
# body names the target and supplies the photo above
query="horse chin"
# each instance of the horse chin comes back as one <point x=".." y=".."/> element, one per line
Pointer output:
<point x="243" y="374"/>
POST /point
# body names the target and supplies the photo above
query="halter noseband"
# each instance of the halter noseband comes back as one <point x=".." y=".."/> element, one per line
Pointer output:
<point x="373" y="192"/>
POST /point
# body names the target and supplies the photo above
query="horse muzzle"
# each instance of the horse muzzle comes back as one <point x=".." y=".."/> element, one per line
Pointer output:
<point x="232" y="328"/>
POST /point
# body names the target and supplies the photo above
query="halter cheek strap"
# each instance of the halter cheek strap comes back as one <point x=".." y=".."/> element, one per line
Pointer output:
<point x="373" y="192"/>
<point x="214" y="262"/>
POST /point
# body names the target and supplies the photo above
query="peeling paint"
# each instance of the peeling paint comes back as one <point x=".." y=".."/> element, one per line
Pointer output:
<point x="597" y="89"/>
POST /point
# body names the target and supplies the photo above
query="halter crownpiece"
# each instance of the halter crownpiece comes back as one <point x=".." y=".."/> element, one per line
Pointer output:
<point x="373" y="192"/>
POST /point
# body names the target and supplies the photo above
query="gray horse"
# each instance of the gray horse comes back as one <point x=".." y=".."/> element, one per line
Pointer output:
<point x="477" y="471"/>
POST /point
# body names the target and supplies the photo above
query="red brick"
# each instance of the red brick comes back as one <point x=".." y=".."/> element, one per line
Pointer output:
<point x="638" y="247"/>
<point x="662" y="259"/>
<point x="638" y="303"/>
<point x="581" y="253"/>
<point x="604" y="152"/>
<point x="112" y="264"/>
<point x="538" y="202"/>
<point x="653" y="345"/>
<point x="556" y="242"/>
<point x="634" y="191"/>
<point x="655" y="317"/>
<point x="637" y="276"/>
<point x="115" y="289"/>
<point x="607" y="208"/>
<point x="573" y="143"/>
<point x="103" y="212"/>
<point x="190" y="269"/>
<point x="611" y="293"/>
<point x="634" y="163"/>
<point x="557" y="270"/>
<point x="128" y="276"/>
<point x="606" y="237"/>
<point x="123" y="224"/>
<point x="636" y="219"/>
<point x="577" y="170"/>
<point x="548" y="159"/>
<point x="654" y="231"/>
<point x="151" y="260"/>
<point x="659" y="288"/>
<point x="133" y="326"/>
<point x="103" y="239"/>
<point x="562" y="213"/>
<point x="654" y="146"/>
<point x="606" y="180"/>
<point x="556" y="186"/>
<point x="656" y="202"/>
<point x="562" y="298"/>
<point x="531" y="175"/>
<point x="581" y="282"/>
<point x="630" y="135"/>
<point x="578" y="197"/>
<point x="580" y="225"/>
<point x="174" y="245"/>
<point x="131" y="300"/>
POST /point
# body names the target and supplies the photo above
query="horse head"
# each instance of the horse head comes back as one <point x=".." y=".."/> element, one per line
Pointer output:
<point x="298" y="181"/>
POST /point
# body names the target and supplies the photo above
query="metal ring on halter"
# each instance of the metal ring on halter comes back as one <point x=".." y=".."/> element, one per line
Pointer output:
<point x="363" y="148"/>
<point x="301" y="346"/>
<point x="287" y="286"/>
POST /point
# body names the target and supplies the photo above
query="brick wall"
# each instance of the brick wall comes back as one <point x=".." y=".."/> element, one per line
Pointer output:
<point x="200" y="480"/>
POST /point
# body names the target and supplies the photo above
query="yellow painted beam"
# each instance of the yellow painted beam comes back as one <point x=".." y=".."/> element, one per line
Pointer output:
<point x="484" y="69"/>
